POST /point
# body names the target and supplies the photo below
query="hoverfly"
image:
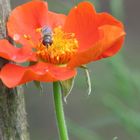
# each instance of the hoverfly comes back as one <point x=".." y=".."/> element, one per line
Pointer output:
<point x="46" y="36"/>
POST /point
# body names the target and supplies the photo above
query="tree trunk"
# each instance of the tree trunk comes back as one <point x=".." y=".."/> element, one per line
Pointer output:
<point x="13" y="123"/>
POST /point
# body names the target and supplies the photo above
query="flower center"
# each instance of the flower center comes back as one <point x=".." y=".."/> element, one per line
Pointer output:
<point x="57" y="47"/>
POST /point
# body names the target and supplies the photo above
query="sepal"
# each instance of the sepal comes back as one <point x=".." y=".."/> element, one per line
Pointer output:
<point x="87" y="75"/>
<point x="38" y="86"/>
<point x="66" y="87"/>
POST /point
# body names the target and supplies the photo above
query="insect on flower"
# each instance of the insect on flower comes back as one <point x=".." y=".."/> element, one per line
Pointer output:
<point x="46" y="36"/>
<point x="56" y="43"/>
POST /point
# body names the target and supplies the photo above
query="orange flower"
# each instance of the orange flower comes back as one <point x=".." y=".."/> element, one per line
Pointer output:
<point x="56" y="44"/>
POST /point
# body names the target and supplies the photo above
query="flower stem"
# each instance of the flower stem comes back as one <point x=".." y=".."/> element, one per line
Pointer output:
<point x="61" y="124"/>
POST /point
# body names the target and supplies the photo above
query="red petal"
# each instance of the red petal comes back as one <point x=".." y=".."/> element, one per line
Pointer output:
<point x="81" y="21"/>
<point x="13" y="75"/>
<point x="12" y="53"/>
<point x="55" y="19"/>
<point x="25" y="19"/>
<point x="109" y="45"/>
<point x="107" y="19"/>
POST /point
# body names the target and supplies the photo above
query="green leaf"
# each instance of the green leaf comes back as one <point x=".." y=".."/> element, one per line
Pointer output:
<point x="38" y="85"/>
<point x="66" y="87"/>
<point x="88" y="81"/>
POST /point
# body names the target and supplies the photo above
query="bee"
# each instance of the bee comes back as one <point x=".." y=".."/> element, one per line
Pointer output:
<point x="46" y="36"/>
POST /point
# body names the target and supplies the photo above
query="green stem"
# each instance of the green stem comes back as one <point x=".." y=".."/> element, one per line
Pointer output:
<point x="62" y="128"/>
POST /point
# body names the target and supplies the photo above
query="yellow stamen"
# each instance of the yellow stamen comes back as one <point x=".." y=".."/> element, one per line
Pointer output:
<point x="38" y="30"/>
<point x="28" y="37"/>
<point x="64" y="46"/>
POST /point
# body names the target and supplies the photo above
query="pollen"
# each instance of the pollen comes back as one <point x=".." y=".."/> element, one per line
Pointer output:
<point x="38" y="30"/>
<point x="27" y="37"/>
<point x="62" y="49"/>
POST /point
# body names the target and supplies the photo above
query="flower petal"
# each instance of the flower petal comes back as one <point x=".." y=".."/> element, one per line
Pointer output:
<point x="107" y="19"/>
<point x="109" y="45"/>
<point x="82" y="21"/>
<point x="55" y="19"/>
<point x="12" y="53"/>
<point x="25" y="19"/>
<point x="13" y="75"/>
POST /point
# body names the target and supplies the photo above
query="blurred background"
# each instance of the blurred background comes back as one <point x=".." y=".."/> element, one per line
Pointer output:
<point x="112" y="111"/>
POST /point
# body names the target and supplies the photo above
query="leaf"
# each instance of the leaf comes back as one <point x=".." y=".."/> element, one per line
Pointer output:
<point x="66" y="87"/>
<point x="38" y="85"/>
<point x="88" y="81"/>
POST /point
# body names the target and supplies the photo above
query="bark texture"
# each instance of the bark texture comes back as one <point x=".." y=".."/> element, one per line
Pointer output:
<point x="13" y="122"/>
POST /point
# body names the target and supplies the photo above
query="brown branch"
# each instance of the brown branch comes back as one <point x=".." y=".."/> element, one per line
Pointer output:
<point x="13" y="123"/>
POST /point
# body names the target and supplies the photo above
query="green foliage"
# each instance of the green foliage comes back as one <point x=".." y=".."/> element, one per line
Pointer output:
<point x="114" y="5"/>
<point x="126" y="102"/>
<point x="115" y="138"/>
<point x="82" y="133"/>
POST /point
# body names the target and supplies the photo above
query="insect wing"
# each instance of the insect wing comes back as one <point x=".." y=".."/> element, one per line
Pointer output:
<point x="46" y="30"/>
